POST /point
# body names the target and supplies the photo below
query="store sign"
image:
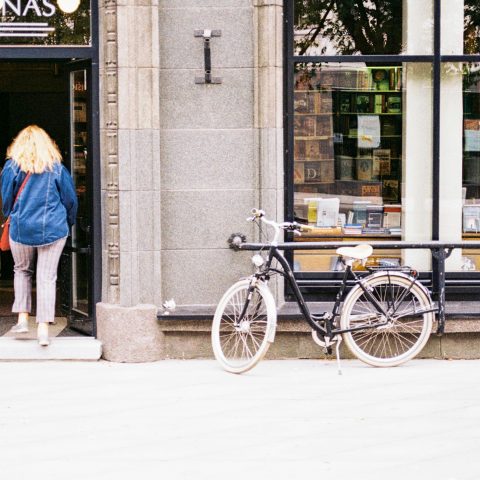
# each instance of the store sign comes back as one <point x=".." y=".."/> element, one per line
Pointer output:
<point x="49" y="22"/>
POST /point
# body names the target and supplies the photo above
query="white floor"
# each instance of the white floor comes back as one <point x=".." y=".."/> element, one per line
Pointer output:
<point x="283" y="420"/>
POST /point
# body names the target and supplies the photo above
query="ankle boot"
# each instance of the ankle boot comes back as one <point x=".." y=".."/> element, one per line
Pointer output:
<point x="42" y="334"/>
<point x="22" y="324"/>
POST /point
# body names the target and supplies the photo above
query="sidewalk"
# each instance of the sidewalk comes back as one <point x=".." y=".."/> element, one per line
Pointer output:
<point x="190" y="420"/>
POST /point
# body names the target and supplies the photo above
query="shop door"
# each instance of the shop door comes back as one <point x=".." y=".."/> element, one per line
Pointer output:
<point x="76" y="265"/>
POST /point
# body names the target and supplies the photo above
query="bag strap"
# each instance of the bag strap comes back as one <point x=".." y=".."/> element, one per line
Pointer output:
<point x="22" y="186"/>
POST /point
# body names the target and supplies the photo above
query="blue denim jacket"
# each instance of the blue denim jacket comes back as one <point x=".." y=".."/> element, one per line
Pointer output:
<point x="46" y="208"/>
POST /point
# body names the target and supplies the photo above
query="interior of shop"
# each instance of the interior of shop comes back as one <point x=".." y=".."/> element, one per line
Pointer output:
<point x="31" y="93"/>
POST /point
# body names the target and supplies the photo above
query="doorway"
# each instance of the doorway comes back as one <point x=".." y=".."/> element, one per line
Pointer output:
<point x="55" y="96"/>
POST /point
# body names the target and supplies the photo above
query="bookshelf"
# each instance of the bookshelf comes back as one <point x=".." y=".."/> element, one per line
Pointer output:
<point x="348" y="146"/>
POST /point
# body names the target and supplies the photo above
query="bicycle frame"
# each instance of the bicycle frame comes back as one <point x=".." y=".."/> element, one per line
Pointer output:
<point x="328" y="317"/>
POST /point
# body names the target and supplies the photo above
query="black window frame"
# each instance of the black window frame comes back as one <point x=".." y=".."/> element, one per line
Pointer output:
<point x="322" y="285"/>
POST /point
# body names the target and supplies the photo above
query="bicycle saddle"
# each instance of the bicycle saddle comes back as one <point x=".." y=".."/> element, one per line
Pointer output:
<point x="360" y="252"/>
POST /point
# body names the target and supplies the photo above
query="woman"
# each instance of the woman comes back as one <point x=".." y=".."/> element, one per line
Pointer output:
<point x="40" y="221"/>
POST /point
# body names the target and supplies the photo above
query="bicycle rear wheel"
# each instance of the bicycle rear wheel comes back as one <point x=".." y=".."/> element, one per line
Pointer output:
<point x="239" y="343"/>
<point x="388" y="342"/>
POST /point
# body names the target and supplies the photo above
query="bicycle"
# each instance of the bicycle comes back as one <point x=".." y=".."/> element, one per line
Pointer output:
<point x="385" y="319"/>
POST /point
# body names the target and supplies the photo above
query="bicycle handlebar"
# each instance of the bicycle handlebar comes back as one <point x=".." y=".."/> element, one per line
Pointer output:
<point x="295" y="227"/>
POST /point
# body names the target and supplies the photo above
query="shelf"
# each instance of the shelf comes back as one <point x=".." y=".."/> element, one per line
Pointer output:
<point x="321" y="137"/>
<point x="367" y="113"/>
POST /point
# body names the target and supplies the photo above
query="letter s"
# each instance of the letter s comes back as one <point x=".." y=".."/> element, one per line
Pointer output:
<point x="47" y="4"/>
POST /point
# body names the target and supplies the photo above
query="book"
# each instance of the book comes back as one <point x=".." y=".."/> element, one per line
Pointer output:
<point x="298" y="173"/>
<point x="324" y="126"/>
<point x="304" y="126"/>
<point x="364" y="167"/>
<point x="374" y="217"/>
<point x="319" y="172"/>
<point x="392" y="216"/>
<point x="394" y="104"/>
<point x="352" y="229"/>
<point x="381" y="162"/>
<point x="471" y="218"/>
<point x="390" y="190"/>
<point x="360" y="211"/>
<point x="327" y="212"/>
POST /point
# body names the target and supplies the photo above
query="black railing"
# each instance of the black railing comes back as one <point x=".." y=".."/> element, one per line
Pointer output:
<point x="440" y="252"/>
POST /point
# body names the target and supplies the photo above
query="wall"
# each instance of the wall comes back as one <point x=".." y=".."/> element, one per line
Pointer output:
<point x="183" y="163"/>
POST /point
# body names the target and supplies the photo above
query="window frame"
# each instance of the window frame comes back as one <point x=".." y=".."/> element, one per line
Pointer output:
<point x="460" y="283"/>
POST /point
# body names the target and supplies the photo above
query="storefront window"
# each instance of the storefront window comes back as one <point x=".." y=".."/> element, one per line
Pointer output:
<point x="349" y="162"/>
<point x="45" y="22"/>
<point x="358" y="27"/>
<point x="471" y="163"/>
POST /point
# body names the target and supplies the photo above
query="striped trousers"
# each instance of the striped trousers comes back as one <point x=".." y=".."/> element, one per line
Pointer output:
<point x="47" y="265"/>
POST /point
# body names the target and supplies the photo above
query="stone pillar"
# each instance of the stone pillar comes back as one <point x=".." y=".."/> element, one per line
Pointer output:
<point x="131" y="151"/>
<point x="268" y="101"/>
<point x="129" y="76"/>
<point x="129" y="334"/>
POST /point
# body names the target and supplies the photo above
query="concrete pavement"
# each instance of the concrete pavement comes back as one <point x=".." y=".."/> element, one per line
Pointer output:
<point x="283" y="420"/>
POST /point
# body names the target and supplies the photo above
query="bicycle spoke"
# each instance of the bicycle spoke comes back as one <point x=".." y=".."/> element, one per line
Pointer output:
<point x="388" y="339"/>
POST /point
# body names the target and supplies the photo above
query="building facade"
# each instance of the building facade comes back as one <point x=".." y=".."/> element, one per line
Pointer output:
<point x="180" y="116"/>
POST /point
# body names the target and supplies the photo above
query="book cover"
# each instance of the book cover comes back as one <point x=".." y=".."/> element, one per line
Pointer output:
<point x="391" y="191"/>
<point x="364" y="168"/>
<point x="360" y="211"/>
<point x="374" y="217"/>
<point x="324" y="126"/>
<point x="298" y="173"/>
<point x="381" y="162"/>
<point x="312" y="149"/>
<point x="304" y="125"/>
<point x="327" y="212"/>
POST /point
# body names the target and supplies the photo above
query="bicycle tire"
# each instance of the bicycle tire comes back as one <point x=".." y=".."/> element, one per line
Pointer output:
<point x="239" y="349"/>
<point x="403" y="338"/>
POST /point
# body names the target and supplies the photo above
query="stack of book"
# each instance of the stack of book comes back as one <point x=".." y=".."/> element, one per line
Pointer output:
<point x="352" y="229"/>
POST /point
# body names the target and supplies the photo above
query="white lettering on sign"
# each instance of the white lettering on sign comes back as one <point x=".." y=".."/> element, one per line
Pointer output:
<point x="41" y="8"/>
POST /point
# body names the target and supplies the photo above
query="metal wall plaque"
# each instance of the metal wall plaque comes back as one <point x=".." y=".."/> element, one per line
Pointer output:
<point x="45" y="22"/>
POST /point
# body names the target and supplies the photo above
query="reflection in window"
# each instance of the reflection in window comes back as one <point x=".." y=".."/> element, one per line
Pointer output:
<point x="472" y="27"/>
<point x="45" y="22"/>
<point x="349" y="27"/>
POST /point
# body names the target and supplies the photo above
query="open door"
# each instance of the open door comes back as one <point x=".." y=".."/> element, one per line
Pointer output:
<point x="76" y="269"/>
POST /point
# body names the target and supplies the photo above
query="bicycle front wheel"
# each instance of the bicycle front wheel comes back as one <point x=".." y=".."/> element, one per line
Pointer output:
<point x="387" y="341"/>
<point x="243" y="326"/>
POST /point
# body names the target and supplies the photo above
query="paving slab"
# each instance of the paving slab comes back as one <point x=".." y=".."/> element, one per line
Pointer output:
<point x="190" y="420"/>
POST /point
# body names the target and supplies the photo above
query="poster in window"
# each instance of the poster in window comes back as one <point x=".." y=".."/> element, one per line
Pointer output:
<point x="368" y="131"/>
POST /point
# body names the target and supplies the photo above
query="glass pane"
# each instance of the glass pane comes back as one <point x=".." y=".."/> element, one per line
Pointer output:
<point x="350" y="137"/>
<point x="469" y="80"/>
<point x="471" y="35"/>
<point x="357" y="27"/>
<point x="64" y="22"/>
<point x="79" y="156"/>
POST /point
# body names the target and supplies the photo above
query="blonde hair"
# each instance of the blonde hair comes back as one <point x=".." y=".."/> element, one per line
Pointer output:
<point x="33" y="150"/>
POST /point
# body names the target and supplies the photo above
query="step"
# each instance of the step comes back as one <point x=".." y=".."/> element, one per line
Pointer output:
<point x="60" y="348"/>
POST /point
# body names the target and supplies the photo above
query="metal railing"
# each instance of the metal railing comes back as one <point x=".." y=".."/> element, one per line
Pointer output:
<point x="440" y="252"/>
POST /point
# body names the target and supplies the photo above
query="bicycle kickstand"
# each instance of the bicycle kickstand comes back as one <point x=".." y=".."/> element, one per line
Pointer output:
<point x="337" y="353"/>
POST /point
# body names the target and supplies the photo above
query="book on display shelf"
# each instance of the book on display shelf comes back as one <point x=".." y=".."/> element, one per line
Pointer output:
<point x="352" y="229"/>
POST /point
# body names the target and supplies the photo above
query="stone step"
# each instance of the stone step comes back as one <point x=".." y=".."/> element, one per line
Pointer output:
<point x="60" y="348"/>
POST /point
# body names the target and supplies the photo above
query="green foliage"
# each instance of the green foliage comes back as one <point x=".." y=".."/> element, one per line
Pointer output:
<point x="351" y="26"/>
